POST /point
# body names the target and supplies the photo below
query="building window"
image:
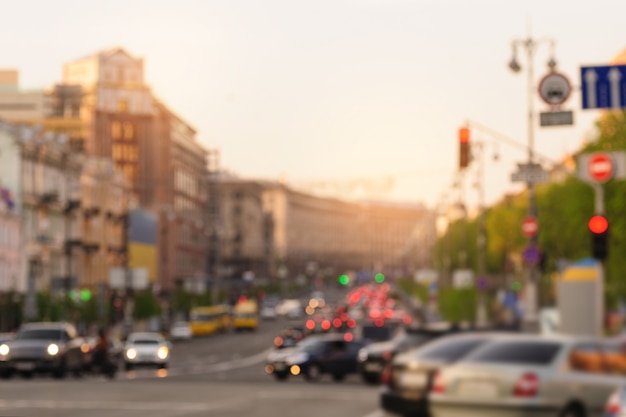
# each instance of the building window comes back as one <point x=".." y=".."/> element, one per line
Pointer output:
<point x="129" y="131"/>
<point x="116" y="130"/>
<point x="122" y="106"/>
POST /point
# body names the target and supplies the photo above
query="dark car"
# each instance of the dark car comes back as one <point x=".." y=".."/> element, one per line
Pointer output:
<point x="289" y="338"/>
<point x="116" y="351"/>
<point x="334" y="354"/>
<point x="374" y="357"/>
<point x="42" y="348"/>
<point x="409" y="377"/>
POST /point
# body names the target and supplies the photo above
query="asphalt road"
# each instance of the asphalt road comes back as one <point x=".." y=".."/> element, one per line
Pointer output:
<point x="221" y="375"/>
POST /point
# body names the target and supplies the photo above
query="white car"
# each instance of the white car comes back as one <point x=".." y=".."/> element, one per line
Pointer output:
<point x="146" y="349"/>
<point x="288" y="305"/>
<point x="268" y="313"/>
<point x="181" y="331"/>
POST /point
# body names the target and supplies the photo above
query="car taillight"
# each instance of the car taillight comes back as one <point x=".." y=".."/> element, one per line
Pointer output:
<point x="613" y="406"/>
<point x="526" y="386"/>
<point x="385" y="377"/>
<point x="439" y="385"/>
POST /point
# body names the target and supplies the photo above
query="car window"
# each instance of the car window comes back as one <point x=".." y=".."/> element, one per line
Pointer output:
<point x="145" y="342"/>
<point x="450" y="350"/>
<point x="517" y="352"/>
<point x="39" y="334"/>
<point x="410" y="341"/>
<point x="312" y="345"/>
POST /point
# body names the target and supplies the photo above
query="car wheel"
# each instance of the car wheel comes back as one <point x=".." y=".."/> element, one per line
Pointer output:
<point x="6" y="374"/>
<point x="61" y="370"/>
<point x="27" y="374"/>
<point x="574" y="410"/>
<point x="339" y="377"/>
<point x="162" y="366"/>
<point x="128" y="366"/>
<point x="313" y="373"/>
<point x="370" y="379"/>
<point x="281" y="376"/>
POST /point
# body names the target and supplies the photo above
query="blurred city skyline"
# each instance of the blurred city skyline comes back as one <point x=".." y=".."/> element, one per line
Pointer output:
<point x="346" y="90"/>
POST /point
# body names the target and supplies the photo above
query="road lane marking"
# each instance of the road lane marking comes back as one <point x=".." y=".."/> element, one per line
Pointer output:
<point x="213" y="368"/>
<point x="117" y="405"/>
<point x="336" y="395"/>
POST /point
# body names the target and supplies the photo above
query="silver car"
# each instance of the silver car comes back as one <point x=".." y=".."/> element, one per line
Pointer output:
<point x="526" y="375"/>
<point x="146" y="349"/>
<point x="616" y="404"/>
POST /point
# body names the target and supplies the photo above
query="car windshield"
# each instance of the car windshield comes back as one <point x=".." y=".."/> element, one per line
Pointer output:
<point x="39" y="334"/>
<point x="181" y="324"/>
<point x="145" y="342"/>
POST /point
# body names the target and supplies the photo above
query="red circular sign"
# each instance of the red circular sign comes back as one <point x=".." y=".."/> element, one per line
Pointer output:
<point x="530" y="227"/>
<point x="598" y="224"/>
<point x="601" y="167"/>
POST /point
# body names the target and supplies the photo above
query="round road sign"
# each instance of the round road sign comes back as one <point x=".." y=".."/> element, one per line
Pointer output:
<point x="555" y="89"/>
<point x="530" y="227"/>
<point x="601" y="167"/>
<point x="532" y="254"/>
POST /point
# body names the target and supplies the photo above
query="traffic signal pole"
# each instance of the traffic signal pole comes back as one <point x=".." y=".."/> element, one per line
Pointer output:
<point x="599" y="203"/>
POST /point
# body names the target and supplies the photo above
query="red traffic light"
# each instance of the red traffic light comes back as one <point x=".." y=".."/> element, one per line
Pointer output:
<point x="464" y="134"/>
<point x="598" y="224"/>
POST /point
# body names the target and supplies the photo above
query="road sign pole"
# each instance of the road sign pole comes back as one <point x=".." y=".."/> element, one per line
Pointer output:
<point x="599" y="203"/>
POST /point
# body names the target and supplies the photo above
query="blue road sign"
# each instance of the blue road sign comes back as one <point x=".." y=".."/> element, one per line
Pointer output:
<point x="603" y="87"/>
<point x="532" y="254"/>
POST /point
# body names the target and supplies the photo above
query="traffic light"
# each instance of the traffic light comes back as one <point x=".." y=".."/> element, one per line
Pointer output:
<point x="464" y="147"/>
<point x="344" y="280"/>
<point x="599" y="228"/>
<point x="379" y="278"/>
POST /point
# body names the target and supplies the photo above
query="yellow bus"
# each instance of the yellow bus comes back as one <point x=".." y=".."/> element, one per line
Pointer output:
<point x="246" y="315"/>
<point x="205" y="321"/>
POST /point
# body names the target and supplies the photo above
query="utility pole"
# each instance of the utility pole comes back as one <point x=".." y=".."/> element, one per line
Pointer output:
<point x="531" y="44"/>
<point x="482" y="235"/>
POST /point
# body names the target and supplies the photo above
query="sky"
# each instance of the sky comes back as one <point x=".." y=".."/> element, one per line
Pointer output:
<point x="310" y="91"/>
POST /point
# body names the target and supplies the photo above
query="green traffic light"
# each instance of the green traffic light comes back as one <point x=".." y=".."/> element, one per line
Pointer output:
<point x="344" y="280"/>
<point x="85" y="295"/>
<point x="380" y="278"/>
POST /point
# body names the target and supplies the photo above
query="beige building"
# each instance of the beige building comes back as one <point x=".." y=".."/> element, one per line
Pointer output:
<point x="156" y="150"/>
<point x="17" y="105"/>
<point x="268" y="225"/>
<point x="247" y="229"/>
<point x="103" y="202"/>
<point x="10" y="242"/>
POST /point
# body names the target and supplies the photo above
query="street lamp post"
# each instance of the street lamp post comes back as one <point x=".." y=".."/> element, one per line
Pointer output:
<point x="531" y="44"/>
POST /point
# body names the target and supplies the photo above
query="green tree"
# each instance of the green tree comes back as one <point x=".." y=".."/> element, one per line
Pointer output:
<point x="146" y="305"/>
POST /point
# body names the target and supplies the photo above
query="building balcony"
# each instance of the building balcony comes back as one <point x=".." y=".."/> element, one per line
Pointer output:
<point x="72" y="205"/>
<point x="71" y="244"/>
<point x="117" y="250"/>
<point x="91" y="247"/>
<point x="49" y="198"/>
<point x="91" y="212"/>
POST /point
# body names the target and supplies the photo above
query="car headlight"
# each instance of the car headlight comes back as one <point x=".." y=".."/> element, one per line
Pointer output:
<point x="362" y="355"/>
<point x="298" y="358"/>
<point x="131" y="353"/>
<point x="162" y="352"/>
<point x="4" y="350"/>
<point x="53" y="349"/>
